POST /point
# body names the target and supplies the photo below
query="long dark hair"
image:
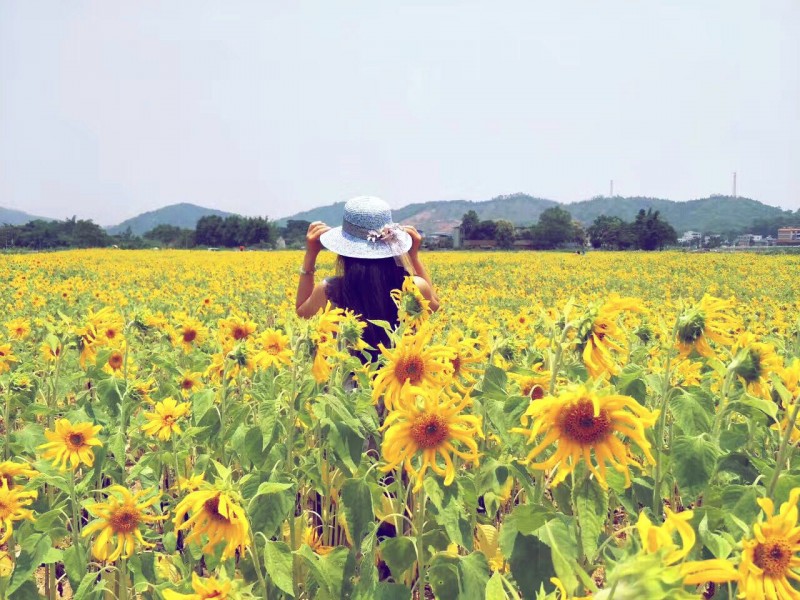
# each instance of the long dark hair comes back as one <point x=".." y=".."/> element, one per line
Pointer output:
<point x="363" y="285"/>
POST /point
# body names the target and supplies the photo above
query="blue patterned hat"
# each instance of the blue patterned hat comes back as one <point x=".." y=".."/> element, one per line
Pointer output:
<point x="367" y="231"/>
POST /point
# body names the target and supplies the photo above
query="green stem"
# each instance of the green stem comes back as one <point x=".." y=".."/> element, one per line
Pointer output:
<point x="557" y="359"/>
<point x="257" y="565"/>
<point x="122" y="579"/>
<point x="783" y="450"/>
<point x="419" y="532"/>
<point x="666" y="389"/>
<point x="723" y="403"/>
<point x="7" y="424"/>
<point x="76" y="524"/>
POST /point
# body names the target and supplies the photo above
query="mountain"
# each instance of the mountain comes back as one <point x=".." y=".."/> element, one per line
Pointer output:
<point x="10" y="216"/>
<point x="715" y="214"/>
<point x="183" y="215"/>
<point x="444" y="215"/>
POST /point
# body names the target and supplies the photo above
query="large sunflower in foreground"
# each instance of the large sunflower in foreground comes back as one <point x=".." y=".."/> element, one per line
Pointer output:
<point x="599" y="335"/>
<point x="426" y="426"/>
<point x="414" y="360"/>
<point x="581" y="422"/>
<point x="13" y="503"/>
<point x="271" y="349"/>
<point x="772" y="557"/>
<point x="709" y="319"/>
<point x="119" y="517"/>
<point x="218" y="516"/>
<point x="71" y="444"/>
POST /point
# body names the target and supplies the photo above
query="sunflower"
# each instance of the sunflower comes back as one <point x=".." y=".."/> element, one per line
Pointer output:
<point x="414" y="360"/>
<point x="191" y="333"/>
<point x="429" y="423"/>
<point x="206" y="588"/>
<point x="12" y="507"/>
<point x="163" y="422"/>
<point x="537" y="385"/>
<point x="234" y="329"/>
<point x="9" y="470"/>
<point x="580" y="421"/>
<point x="655" y="538"/>
<point x="189" y="381"/>
<point x="215" y="514"/>
<point x="599" y="334"/>
<point x="18" y="328"/>
<point x="272" y="349"/>
<point x="708" y="320"/>
<point x="120" y="517"/>
<point x="6" y="357"/>
<point x="115" y="361"/>
<point x="51" y="350"/>
<point x="71" y="443"/>
<point x="468" y="354"/>
<point x="413" y="309"/>
<point x="754" y="363"/>
<point x="772" y="557"/>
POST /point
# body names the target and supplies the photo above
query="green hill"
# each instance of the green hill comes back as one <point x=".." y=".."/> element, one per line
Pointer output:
<point x="715" y="214"/>
<point x="183" y="215"/>
<point x="10" y="216"/>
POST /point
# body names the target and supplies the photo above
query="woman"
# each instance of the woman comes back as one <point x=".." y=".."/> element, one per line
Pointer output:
<point x="375" y="255"/>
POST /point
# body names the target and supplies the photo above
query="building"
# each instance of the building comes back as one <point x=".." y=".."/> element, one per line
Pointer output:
<point x="690" y="237"/>
<point x="789" y="236"/>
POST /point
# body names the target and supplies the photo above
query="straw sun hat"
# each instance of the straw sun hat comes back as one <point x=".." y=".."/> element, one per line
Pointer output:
<point x="367" y="231"/>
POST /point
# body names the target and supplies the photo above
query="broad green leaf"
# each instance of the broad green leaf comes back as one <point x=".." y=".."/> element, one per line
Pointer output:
<point x="560" y="535"/>
<point x="34" y="549"/>
<point x="525" y="519"/>
<point x="357" y="501"/>
<point x="448" y="510"/>
<point x="399" y="554"/>
<point x="278" y="561"/>
<point x="531" y="564"/>
<point x="328" y="570"/>
<point x="739" y="464"/>
<point x="690" y="414"/>
<point x="591" y="507"/>
<point x="693" y="460"/>
<point x="269" y="508"/>
<point x="443" y="577"/>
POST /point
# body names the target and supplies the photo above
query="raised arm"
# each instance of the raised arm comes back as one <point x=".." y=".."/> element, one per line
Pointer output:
<point x="426" y="285"/>
<point x="310" y="297"/>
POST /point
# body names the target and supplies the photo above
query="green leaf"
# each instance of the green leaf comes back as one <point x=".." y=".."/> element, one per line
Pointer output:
<point x="474" y="573"/>
<point x="347" y="444"/>
<point x="494" y="382"/>
<point x="495" y="589"/>
<point x="34" y="549"/>
<point x="630" y="383"/>
<point x="278" y="561"/>
<point x="399" y="554"/>
<point x="591" y="507"/>
<point x="254" y="446"/>
<point x="560" y="535"/>
<point x="525" y="519"/>
<point x="448" y="510"/>
<point x="327" y="571"/>
<point x="170" y="541"/>
<point x="694" y="460"/>
<point x="358" y="511"/>
<point x="270" y="507"/>
<point x="443" y="577"/>
<point x="391" y="591"/>
<point x="201" y="403"/>
<point x="531" y="564"/>
<point x="690" y="414"/>
<point x="747" y="404"/>
<point x="739" y="464"/>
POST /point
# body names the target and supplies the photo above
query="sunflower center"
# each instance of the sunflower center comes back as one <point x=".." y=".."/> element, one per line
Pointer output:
<point x="429" y="431"/>
<point x="115" y="360"/>
<point x="273" y="348"/>
<point x="124" y="519"/>
<point x="533" y="389"/>
<point x="189" y="335"/>
<point x="75" y="440"/>
<point x="581" y="425"/>
<point x="168" y="420"/>
<point x="187" y="384"/>
<point x="410" y="368"/>
<point x="211" y="507"/>
<point x="111" y="333"/>
<point x="456" y="362"/>
<point x="239" y="333"/>
<point x="773" y="556"/>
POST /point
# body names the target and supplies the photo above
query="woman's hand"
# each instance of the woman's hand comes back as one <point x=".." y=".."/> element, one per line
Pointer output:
<point x="416" y="239"/>
<point x="315" y="229"/>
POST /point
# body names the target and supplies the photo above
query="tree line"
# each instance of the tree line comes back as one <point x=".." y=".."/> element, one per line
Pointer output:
<point x="210" y="231"/>
<point x="556" y="228"/>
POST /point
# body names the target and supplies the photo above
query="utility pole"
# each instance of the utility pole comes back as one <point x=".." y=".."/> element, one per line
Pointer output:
<point x="734" y="184"/>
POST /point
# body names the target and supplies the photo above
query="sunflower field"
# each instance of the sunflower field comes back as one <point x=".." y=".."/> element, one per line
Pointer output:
<point x="612" y="426"/>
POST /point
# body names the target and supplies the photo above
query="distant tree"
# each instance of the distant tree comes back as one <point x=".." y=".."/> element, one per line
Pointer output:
<point x="504" y="233"/>
<point x="651" y="232"/>
<point x="469" y="223"/>
<point x="167" y="235"/>
<point x="555" y="227"/>
<point x="610" y="233"/>
<point x="484" y="231"/>
<point x="294" y="232"/>
<point x="578" y="233"/>
<point x="208" y="231"/>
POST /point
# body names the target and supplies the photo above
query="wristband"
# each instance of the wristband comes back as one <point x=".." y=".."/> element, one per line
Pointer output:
<point x="303" y="271"/>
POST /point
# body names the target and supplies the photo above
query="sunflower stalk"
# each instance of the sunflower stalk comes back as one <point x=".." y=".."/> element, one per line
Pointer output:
<point x="784" y="450"/>
<point x="666" y="390"/>
<point x="76" y="527"/>
<point x="558" y="357"/>
<point x="419" y="532"/>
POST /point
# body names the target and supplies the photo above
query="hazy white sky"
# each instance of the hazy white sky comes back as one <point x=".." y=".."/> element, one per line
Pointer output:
<point x="111" y="107"/>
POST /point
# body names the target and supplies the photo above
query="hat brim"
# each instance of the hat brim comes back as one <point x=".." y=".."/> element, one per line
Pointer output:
<point x="345" y="244"/>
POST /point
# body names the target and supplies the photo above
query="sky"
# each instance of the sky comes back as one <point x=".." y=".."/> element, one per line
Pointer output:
<point x="109" y="108"/>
